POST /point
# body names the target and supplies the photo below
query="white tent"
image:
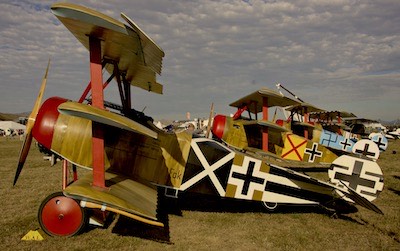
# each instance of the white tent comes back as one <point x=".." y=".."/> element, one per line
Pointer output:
<point x="11" y="126"/>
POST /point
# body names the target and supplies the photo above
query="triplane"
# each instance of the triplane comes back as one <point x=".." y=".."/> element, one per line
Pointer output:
<point x="329" y="128"/>
<point x="134" y="164"/>
<point x="276" y="139"/>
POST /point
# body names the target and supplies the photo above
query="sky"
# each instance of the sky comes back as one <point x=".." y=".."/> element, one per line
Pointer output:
<point x="335" y="54"/>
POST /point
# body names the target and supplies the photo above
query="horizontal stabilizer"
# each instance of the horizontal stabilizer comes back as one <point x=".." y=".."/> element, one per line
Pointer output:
<point x="362" y="201"/>
<point x="104" y="117"/>
<point x="346" y="191"/>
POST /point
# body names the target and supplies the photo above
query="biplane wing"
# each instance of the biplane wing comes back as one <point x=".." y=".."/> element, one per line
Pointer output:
<point x="300" y="114"/>
<point x="104" y="117"/>
<point x="124" y="196"/>
<point x="266" y="124"/>
<point x="361" y="120"/>
<point x="332" y="120"/>
<point x="304" y="108"/>
<point x="139" y="58"/>
<point x="261" y="98"/>
<point x="331" y="115"/>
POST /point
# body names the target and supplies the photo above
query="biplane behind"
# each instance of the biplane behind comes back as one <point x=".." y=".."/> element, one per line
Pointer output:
<point x="331" y="129"/>
<point x="276" y="139"/>
<point x="368" y="129"/>
<point x="133" y="164"/>
<point x="321" y="126"/>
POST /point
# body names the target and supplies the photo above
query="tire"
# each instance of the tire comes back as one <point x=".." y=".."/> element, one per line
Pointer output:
<point x="61" y="216"/>
<point x="270" y="206"/>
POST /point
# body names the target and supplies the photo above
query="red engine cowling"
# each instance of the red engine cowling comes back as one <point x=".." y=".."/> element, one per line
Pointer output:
<point x="46" y="119"/>
<point x="221" y="126"/>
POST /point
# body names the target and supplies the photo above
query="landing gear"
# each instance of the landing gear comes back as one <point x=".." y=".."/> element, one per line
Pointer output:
<point x="270" y="206"/>
<point x="61" y="216"/>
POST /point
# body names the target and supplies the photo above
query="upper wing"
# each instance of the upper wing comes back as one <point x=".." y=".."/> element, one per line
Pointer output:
<point x="138" y="57"/>
<point x="265" y="96"/>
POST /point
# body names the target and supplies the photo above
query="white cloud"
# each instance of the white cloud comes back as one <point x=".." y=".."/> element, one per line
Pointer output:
<point x="331" y="53"/>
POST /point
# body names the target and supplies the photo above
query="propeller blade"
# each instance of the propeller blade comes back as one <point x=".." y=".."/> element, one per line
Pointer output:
<point x="35" y="110"/>
<point x="31" y="121"/>
<point x="22" y="156"/>
<point x="209" y="120"/>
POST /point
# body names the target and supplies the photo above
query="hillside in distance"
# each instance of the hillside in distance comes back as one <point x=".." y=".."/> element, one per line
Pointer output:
<point x="12" y="116"/>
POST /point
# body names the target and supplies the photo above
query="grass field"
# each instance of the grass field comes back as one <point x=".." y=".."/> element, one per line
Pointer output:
<point x="201" y="224"/>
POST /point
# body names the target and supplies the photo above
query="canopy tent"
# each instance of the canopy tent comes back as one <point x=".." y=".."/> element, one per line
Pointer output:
<point x="11" y="126"/>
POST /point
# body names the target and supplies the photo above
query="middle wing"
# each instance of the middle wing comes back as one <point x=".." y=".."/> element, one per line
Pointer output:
<point x="104" y="117"/>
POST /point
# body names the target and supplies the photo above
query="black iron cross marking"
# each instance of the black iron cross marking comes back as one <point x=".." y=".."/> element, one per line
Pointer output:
<point x="365" y="151"/>
<point x="313" y="152"/>
<point x="248" y="178"/>
<point x="380" y="143"/>
<point x="329" y="139"/>
<point x="345" y="144"/>
<point x="354" y="179"/>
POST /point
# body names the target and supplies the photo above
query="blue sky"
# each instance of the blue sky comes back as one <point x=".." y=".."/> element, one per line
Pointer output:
<point x="335" y="54"/>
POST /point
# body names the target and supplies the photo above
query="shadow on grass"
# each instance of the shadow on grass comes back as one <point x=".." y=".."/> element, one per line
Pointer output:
<point x="397" y="192"/>
<point x="204" y="203"/>
<point x="125" y="226"/>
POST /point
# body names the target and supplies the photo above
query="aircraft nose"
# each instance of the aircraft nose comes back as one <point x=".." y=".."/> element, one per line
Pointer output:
<point x="46" y="119"/>
<point x="219" y="126"/>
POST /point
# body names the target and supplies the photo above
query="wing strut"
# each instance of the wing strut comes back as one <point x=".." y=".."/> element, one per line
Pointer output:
<point x="306" y="120"/>
<point x="96" y="79"/>
<point x="121" y="91"/>
<point x="127" y="91"/>
<point x="265" y="129"/>
<point x="124" y="89"/>
<point x="86" y="91"/>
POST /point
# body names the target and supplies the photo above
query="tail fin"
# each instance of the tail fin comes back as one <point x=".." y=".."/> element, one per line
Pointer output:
<point x="359" y="180"/>
<point x="354" y="196"/>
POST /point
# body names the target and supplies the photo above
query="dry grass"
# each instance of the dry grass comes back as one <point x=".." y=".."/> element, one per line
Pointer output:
<point x="204" y="224"/>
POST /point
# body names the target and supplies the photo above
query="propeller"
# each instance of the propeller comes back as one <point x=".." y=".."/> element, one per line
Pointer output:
<point x="31" y="121"/>
<point x="209" y="120"/>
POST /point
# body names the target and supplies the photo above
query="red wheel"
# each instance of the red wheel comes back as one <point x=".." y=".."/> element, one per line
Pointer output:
<point x="61" y="216"/>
